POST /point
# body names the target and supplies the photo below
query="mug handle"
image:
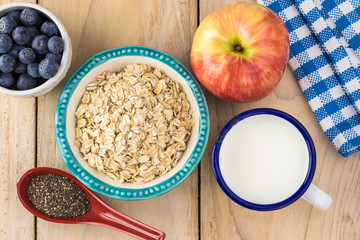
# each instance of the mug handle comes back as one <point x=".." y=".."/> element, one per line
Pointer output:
<point x="317" y="197"/>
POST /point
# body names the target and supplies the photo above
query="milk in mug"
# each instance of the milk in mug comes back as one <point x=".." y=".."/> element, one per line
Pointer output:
<point x="264" y="159"/>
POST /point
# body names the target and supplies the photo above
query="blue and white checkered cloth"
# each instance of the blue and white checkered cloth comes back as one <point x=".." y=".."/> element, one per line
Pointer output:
<point x="324" y="55"/>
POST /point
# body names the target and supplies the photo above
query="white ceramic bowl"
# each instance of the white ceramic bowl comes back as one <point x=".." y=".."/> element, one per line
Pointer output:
<point x="51" y="83"/>
<point x="70" y="98"/>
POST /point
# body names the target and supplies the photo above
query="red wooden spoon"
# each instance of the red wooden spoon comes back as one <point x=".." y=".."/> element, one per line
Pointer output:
<point x="99" y="214"/>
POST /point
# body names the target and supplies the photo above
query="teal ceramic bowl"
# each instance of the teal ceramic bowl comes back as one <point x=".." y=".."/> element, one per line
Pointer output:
<point x="69" y="100"/>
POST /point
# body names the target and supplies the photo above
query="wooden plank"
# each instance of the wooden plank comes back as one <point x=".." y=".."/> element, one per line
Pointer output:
<point x="221" y="218"/>
<point x="95" y="26"/>
<point x="17" y="154"/>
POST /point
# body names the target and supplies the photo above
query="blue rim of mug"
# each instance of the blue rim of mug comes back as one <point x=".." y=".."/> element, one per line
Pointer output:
<point x="256" y="206"/>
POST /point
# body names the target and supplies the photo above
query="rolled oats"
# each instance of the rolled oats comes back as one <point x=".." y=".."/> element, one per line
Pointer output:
<point x="133" y="124"/>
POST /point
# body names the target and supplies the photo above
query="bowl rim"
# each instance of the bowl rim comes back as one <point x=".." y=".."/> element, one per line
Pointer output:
<point x="65" y="63"/>
<point x="96" y="184"/>
<point x="309" y="174"/>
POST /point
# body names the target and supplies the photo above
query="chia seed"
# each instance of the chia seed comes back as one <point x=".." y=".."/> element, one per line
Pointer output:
<point x="57" y="196"/>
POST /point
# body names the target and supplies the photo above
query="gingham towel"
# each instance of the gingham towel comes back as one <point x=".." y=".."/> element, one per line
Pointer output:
<point x="324" y="55"/>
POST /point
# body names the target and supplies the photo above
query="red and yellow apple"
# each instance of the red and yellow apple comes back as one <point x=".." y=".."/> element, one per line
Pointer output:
<point x="239" y="52"/>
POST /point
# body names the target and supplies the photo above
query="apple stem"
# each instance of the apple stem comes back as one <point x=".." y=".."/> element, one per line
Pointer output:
<point x="238" y="48"/>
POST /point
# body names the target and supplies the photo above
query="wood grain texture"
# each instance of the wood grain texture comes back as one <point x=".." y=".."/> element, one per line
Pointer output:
<point x="221" y="218"/>
<point x="17" y="154"/>
<point x="97" y="25"/>
<point x="93" y="27"/>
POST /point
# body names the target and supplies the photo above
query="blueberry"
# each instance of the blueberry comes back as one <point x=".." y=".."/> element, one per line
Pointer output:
<point x="48" y="68"/>
<point x="20" y="68"/>
<point x="26" y="82"/>
<point x="33" y="32"/>
<point x="7" y="24"/>
<point x="29" y="17"/>
<point x="15" y="50"/>
<point x="27" y="55"/>
<point x="15" y="15"/>
<point x="54" y="56"/>
<point x="21" y="35"/>
<point x="40" y="44"/>
<point x="33" y="70"/>
<point x="5" y="43"/>
<point x="6" y="79"/>
<point x="49" y="29"/>
<point x="56" y="44"/>
<point x="7" y="63"/>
